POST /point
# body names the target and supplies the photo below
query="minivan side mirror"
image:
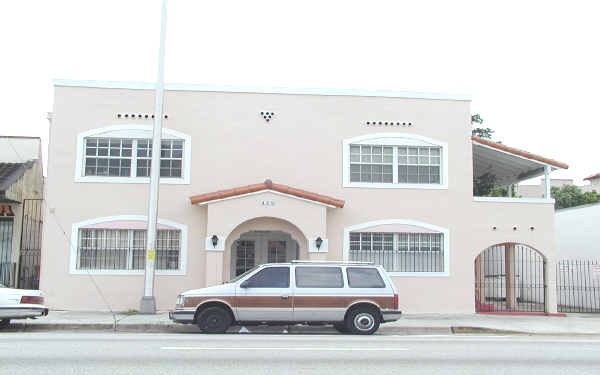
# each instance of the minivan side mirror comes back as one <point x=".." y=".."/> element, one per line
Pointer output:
<point x="245" y="284"/>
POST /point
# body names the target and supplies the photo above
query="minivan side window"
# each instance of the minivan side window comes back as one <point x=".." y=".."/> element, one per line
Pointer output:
<point x="272" y="277"/>
<point x="319" y="277"/>
<point x="360" y="277"/>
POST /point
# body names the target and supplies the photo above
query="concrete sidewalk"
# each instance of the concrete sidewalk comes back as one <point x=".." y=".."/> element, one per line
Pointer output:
<point x="572" y="324"/>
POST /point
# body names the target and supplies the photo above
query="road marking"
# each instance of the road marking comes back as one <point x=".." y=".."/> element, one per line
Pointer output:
<point x="356" y="349"/>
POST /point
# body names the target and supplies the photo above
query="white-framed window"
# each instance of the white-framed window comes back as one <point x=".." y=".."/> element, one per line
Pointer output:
<point x="123" y="153"/>
<point x="117" y="245"/>
<point x="402" y="247"/>
<point x="125" y="249"/>
<point x="395" y="160"/>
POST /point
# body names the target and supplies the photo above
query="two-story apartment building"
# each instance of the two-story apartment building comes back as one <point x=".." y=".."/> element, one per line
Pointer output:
<point x="252" y="176"/>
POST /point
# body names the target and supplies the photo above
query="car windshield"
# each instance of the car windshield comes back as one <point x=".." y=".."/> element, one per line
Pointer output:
<point x="242" y="275"/>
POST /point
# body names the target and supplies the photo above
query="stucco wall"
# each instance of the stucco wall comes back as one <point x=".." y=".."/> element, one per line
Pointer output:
<point x="577" y="235"/>
<point x="301" y="147"/>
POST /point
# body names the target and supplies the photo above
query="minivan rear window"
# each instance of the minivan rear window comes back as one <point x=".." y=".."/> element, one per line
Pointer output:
<point x="319" y="277"/>
<point x="361" y="277"/>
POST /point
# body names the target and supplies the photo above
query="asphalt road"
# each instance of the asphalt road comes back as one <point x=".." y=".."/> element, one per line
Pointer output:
<point x="110" y="353"/>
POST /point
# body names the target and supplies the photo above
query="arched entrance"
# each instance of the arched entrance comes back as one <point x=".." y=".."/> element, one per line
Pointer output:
<point x="262" y="246"/>
<point x="510" y="277"/>
<point x="262" y="240"/>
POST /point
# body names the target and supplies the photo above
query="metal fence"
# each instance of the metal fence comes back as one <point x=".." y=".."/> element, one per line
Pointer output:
<point x="509" y="278"/>
<point x="31" y="244"/>
<point x="578" y="286"/>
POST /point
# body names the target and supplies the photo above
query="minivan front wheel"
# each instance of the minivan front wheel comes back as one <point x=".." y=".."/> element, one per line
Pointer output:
<point x="214" y="320"/>
<point x="363" y="321"/>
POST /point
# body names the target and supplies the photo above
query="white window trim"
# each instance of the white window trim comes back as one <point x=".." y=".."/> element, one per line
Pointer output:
<point x="513" y="200"/>
<point x="82" y="224"/>
<point x="393" y="139"/>
<point x="132" y="131"/>
<point x="444" y="231"/>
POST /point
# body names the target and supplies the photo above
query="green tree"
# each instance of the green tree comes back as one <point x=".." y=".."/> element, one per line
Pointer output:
<point x="479" y="131"/>
<point x="572" y="196"/>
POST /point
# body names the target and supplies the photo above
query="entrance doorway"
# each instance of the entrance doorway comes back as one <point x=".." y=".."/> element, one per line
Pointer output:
<point x="258" y="247"/>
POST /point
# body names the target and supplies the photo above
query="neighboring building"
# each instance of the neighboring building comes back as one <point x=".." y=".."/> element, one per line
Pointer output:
<point x="251" y="176"/>
<point x="577" y="234"/>
<point x="578" y="250"/>
<point x="537" y="191"/>
<point x="594" y="183"/>
<point x="21" y="191"/>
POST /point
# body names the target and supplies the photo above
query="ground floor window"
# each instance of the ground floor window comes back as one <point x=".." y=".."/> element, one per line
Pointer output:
<point x="125" y="249"/>
<point x="399" y="252"/>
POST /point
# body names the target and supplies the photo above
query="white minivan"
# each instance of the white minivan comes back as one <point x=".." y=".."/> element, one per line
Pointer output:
<point x="354" y="297"/>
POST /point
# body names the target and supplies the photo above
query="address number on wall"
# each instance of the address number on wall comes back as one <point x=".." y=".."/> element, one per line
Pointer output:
<point x="268" y="203"/>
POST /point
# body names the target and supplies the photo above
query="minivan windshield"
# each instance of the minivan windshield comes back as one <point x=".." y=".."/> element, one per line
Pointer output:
<point x="244" y="274"/>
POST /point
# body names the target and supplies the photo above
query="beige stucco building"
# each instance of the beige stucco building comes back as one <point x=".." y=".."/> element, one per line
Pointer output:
<point x="252" y="176"/>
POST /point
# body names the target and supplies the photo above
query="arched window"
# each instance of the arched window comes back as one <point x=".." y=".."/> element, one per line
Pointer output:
<point x="395" y="160"/>
<point x="117" y="245"/>
<point x="402" y="247"/>
<point x="123" y="153"/>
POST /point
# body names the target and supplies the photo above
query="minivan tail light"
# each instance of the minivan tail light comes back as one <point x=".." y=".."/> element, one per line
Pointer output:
<point x="395" y="301"/>
<point x="34" y="300"/>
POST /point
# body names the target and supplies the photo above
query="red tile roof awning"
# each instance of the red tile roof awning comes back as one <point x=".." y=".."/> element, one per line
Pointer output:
<point x="518" y="152"/>
<point x="267" y="185"/>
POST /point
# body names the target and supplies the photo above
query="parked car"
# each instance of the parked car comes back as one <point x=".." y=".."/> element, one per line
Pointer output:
<point x="20" y="304"/>
<point x="354" y="297"/>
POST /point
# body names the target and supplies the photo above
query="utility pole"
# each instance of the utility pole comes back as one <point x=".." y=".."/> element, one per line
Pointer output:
<point x="148" y="302"/>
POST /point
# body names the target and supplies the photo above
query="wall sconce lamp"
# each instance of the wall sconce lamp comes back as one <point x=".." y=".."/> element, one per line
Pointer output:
<point x="214" y="240"/>
<point x="319" y="242"/>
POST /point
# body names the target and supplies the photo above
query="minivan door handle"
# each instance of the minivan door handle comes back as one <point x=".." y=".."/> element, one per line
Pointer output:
<point x="285" y="296"/>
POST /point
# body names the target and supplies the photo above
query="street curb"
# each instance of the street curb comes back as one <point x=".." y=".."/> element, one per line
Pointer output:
<point x="293" y="329"/>
<point x="188" y="328"/>
<point x="493" y="331"/>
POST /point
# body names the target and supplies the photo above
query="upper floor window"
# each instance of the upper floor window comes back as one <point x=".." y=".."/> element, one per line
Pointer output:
<point x="124" y="154"/>
<point x="395" y="160"/>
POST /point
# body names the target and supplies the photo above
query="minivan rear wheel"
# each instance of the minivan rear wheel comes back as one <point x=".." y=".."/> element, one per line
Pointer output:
<point x="214" y="320"/>
<point x="363" y="321"/>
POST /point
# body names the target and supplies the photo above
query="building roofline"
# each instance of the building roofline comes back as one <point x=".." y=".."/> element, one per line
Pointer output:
<point x="516" y="151"/>
<point x="577" y="207"/>
<point x="20" y="136"/>
<point x="251" y="89"/>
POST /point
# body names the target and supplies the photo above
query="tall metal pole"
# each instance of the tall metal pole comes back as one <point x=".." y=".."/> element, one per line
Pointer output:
<point x="148" y="303"/>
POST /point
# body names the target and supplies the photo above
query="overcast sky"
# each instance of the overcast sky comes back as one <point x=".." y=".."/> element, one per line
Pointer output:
<point x="532" y="68"/>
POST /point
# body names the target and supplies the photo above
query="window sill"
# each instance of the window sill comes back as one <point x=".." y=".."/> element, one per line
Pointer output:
<point x="127" y="272"/>
<point x="513" y="200"/>
<point x="368" y="185"/>
<point x="131" y="180"/>
<point x="418" y="274"/>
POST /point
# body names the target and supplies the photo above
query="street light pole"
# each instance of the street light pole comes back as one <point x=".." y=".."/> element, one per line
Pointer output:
<point x="148" y="302"/>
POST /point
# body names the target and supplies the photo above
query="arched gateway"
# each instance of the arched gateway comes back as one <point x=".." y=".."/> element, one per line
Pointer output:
<point x="510" y="277"/>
